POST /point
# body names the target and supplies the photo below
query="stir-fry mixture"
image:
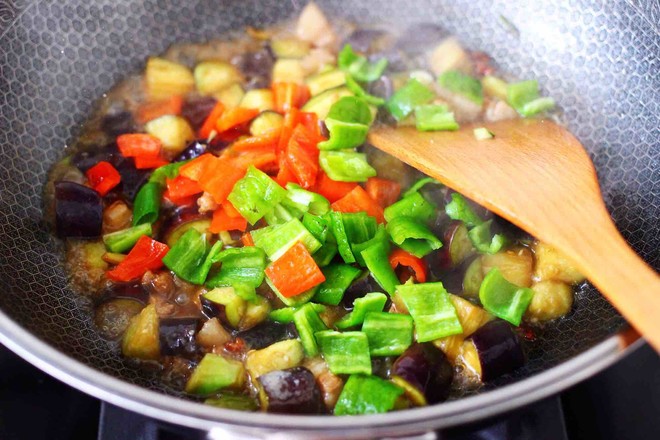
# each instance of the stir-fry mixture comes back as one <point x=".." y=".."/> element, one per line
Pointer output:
<point x="233" y="227"/>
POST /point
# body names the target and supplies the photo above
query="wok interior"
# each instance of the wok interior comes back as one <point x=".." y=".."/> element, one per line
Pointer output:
<point x="599" y="64"/>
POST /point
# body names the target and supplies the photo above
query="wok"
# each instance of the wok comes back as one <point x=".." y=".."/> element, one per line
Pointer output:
<point x="600" y="61"/>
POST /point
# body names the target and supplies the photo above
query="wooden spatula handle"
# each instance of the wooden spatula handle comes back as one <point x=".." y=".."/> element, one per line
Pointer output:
<point x="621" y="275"/>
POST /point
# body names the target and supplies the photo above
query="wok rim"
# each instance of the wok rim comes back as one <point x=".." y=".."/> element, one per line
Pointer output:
<point x="220" y="422"/>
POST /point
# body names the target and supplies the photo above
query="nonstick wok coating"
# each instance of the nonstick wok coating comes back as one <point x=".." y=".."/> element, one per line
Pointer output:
<point x="600" y="62"/>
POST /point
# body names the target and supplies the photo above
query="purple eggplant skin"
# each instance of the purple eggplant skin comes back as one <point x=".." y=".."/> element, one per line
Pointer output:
<point x="78" y="211"/>
<point x="426" y="368"/>
<point x="361" y="40"/>
<point x="359" y="288"/>
<point x="257" y="67"/>
<point x="291" y="391"/>
<point x="499" y="349"/>
<point x="177" y="336"/>
<point x="192" y="150"/>
<point x="196" y="110"/>
<point x="265" y="334"/>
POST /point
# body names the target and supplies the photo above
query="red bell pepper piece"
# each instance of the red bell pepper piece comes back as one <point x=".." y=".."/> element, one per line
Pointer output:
<point x="288" y="95"/>
<point x="209" y="123"/>
<point x="285" y="175"/>
<point x="147" y="254"/>
<point x="194" y="169"/>
<point x="357" y="201"/>
<point x="234" y="117"/>
<point x="294" y="272"/>
<point x="224" y="220"/>
<point x="331" y="189"/>
<point x="152" y="110"/>
<point x="268" y="139"/>
<point x="139" y="145"/>
<point x="301" y="163"/>
<point x="149" y="162"/>
<point x="291" y="119"/>
<point x="383" y="191"/>
<point x="311" y="122"/>
<point x="307" y="139"/>
<point x="402" y="258"/>
<point x="219" y="177"/>
<point x="181" y="188"/>
<point x="246" y="239"/>
<point x="103" y="177"/>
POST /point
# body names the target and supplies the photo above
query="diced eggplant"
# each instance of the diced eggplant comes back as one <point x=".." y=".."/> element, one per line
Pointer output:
<point x="165" y="78"/>
<point x="225" y="304"/>
<point x="360" y="287"/>
<point x="256" y="312"/>
<point x="112" y="317"/>
<point x="427" y="370"/>
<point x="118" y="123"/>
<point x="230" y="96"/>
<point x="173" y="234"/>
<point x="291" y="391"/>
<point x="214" y="373"/>
<point x="312" y="26"/>
<point x="320" y="82"/>
<point x="194" y="149"/>
<point x="383" y="87"/>
<point x="132" y="179"/>
<point x="212" y="76"/>
<point x="265" y="334"/>
<point x="458" y="243"/>
<point x="196" y="110"/>
<point x="84" y="261"/>
<point x="553" y="265"/>
<point x="289" y="47"/>
<point x="265" y="122"/>
<point x="551" y="300"/>
<point x="177" y="336"/>
<point x="173" y="131"/>
<point x="515" y="264"/>
<point x="449" y="55"/>
<point x="321" y="103"/>
<point x="141" y="339"/>
<point x="471" y="318"/>
<point x="78" y="211"/>
<point x="499" y="349"/>
<point x="472" y="279"/>
<point x="256" y="67"/>
<point x="212" y="334"/>
<point x="288" y="70"/>
<point x="260" y="99"/>
<point x="278" y="356"/>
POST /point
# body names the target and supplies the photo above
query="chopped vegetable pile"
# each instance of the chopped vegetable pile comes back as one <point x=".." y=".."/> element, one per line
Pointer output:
<point x="239" y="229"/>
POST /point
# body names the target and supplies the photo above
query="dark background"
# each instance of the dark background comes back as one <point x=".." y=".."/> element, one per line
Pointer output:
<point x="622" y="402"/>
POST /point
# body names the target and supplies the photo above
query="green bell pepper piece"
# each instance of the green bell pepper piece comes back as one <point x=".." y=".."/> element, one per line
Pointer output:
<point x="389" y="334"/>
<point x="255" y="195"/>
<point x="371" y="302"/>
<point x="524" y="97"/>
<point x="413" y="236"/>
<point x="346" y="166"/>
<point x="276" y="240"/>
<point x="146" y="205"/>
<point x="308" y="323"/>
<point x="244" y="265"/>
<point x="124" y="240"/>
<point x="358" y="66"/>
<point x="367" y="395"/>
<point x="482" y="240"/>
<point x="431" y="309"/>
<point x="462" y="84"/>
<point x="504" y="299"/>
<point x="338" y="278"/>
<point x="413" y="205"/>
<point x="435" y="118"/>
<point x="376" y="260"/>
<point x="460" y="209"/>
<point x="345" y="353"/>
<point x="407" y="98"/>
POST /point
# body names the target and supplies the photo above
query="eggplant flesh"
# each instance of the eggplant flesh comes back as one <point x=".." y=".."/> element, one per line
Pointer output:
<point x="291" y="391"/>
<point x="499" y="349"/>
<point x="427" y="369"/>
<point x="78" y="211"/>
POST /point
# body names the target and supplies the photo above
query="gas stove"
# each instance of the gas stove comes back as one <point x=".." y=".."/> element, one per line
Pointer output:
<point x="622" y="402"/>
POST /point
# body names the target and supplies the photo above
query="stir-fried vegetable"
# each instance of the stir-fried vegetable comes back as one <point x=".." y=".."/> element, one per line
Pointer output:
<point x="286" y="265"/>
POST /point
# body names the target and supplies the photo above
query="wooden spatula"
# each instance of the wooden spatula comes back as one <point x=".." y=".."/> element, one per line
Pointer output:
<point x="537" y="175"/>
